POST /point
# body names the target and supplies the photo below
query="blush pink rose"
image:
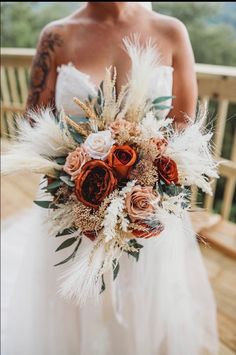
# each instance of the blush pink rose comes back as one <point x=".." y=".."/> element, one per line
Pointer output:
<point x="139" y="203"/>
<point x="74" y="162"/>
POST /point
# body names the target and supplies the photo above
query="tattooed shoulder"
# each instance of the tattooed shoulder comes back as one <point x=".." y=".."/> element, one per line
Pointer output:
<point x="42" y="65"/>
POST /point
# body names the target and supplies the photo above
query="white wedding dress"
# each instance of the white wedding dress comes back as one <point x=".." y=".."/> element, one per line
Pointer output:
<point x="161" y="305"/>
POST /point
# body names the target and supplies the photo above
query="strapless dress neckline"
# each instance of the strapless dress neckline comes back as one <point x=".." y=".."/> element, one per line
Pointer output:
<point x="71" y="82"/>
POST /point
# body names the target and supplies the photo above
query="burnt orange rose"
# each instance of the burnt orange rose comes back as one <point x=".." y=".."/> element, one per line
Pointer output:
<point x="121" y="158"/>
<point x="148" y="232"/>
<point x="95" y="182"/>
<point x="167" y="170"/>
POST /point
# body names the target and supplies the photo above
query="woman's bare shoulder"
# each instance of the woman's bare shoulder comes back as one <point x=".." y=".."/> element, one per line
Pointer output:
<point x="169" y="26"/>
<point x="63" y="27"/>
<point x="172" y="32"/>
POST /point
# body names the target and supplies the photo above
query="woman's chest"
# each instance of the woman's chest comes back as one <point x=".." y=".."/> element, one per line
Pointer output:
<point x="96" y="49"/>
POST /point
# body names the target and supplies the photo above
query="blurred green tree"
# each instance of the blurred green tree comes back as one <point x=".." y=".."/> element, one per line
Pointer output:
<point x="211" y="26"/>
<point x="22" y="22"/>
<point x="212" y="33"/>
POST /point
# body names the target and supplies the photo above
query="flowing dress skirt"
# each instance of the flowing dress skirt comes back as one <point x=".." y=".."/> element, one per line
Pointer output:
<point x="161" y="305"/>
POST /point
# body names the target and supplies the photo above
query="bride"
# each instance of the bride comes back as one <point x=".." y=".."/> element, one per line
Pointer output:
<point x="163" y="305"/>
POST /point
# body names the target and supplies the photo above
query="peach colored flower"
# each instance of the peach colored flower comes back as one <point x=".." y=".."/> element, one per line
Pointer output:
<point x="123" y="125"/>
<point x="161" y="145"/>
<point x="140" y="203"/>
<point x="74" y="162"/>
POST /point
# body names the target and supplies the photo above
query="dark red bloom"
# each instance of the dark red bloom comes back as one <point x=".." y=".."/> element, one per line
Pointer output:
<point x="94" y="183"/>
<point x="167" y="170"/>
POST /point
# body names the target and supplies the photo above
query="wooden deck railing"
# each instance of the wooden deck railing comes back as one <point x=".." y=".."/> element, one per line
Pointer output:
<point x="214" y="82"/>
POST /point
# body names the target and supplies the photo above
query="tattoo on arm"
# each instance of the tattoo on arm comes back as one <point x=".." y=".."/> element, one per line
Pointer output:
<point x="41" y="67"/>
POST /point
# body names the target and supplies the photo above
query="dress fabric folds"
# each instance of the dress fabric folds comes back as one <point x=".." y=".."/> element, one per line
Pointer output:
<point x="161" y="305"/>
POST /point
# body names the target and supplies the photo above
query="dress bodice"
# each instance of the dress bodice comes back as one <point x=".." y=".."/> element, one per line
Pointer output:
<point x="72" y="82"/>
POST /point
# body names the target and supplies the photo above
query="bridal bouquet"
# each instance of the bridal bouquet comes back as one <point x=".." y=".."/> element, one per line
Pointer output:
<point x="113" y="173"/>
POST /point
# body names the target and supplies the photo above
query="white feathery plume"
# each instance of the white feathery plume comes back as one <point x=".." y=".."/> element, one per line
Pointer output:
<point x="111" y="104"/>
<point x="111" y="218"/>
<point x="110" y="108"/>
<point x="191" y="150"/>
<point x="36" y="146"/>
<point x="80" y="281"/>
<point x="173" y="204"/>
<point x="124" y="222"/>
<point x="61" y="218"/>
<point x="144" y="60"/>
<point x="114" y="213"/>
<point x="20" y="159"/>
<point x="48" y="137"/>
<point x="152" y="127"/>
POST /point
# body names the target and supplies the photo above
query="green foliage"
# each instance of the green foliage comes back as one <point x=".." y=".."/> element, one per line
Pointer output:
<point x="211" y="26"/>
<point x="22" y="21"/>
<point x="116" y="268"/>
<point x="66" y="179"/>
<point x="72" y="255"/>
<point x="103" y="286"/>
<point x="44" y="204"/>
<point x="66" y="232"/>
<point x="213" y="37"/>
<point x="134" y="244"/>
<point x="67" y="243"/>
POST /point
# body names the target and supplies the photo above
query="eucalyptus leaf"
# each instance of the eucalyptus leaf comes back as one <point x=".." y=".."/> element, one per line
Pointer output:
<point x="44" y="204"/>
<point x="66" y="232"/>
<point x="54" y="185"/>
<point x="134" y="243"/>
<point x="60" y="160"/>
<point x="78" y="119"/>
<point x="103" y="287"/>
<point x="116" y="268"/>
<point x="137" y="246"/>
<point x="90" y="98"/>
<point x="162" y="107"/>
<point x="160" y="99"/>
<point x="67" y="243"/>
<point x="135" y="254"/>
<point x="101" y="86"/>
<point x="76" y="136"/>
<point x="159" y="189"/>
<point x="70" y="256"/>
<point x="66" y="179"/>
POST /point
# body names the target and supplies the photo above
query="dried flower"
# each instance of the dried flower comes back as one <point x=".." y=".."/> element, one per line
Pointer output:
<point x="75" y="161"/>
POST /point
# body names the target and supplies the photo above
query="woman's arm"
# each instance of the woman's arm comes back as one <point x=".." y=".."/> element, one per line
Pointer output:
<point x="43" y="71"/>
<point x="184" y="77"/>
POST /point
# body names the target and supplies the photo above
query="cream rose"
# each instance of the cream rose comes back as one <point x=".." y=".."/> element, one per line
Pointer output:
<point x="98" y="145"/>
<point x="74" y="162"/>
<point x="139" y="203"/>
